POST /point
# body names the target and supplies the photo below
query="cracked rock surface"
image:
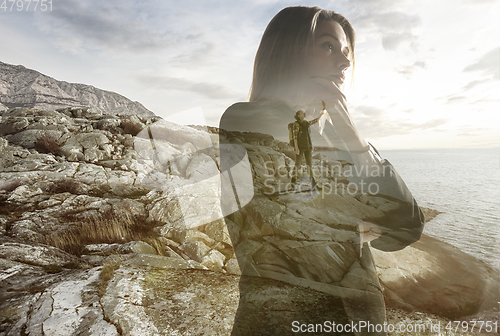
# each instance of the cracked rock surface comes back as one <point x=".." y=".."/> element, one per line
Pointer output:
<point x="104" y="231"/>
<point x="70" y="307"/>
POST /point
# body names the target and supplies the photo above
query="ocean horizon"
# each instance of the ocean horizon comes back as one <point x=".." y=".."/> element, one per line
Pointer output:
<point x="464" y="185"/>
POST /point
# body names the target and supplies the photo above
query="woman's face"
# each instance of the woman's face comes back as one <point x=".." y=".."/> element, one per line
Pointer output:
<point x="328" y="55"/>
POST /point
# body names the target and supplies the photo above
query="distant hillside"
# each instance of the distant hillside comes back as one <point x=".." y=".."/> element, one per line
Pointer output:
<point x="23" y="87"/>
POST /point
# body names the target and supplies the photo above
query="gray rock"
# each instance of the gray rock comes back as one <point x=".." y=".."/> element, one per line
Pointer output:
<point x="436" y="277"/>
<point x="196" y="250"/>
<point x="70" y="307"/>
<point x="168" y="242"/>
<point x="94" y="260"/>
<point x="218" y="231"/>
<point x="27" y="230"/>
<point x="188" y="205"/>
<point x="169" y="252"/>
<point x="213" y="260"/>
<point x="10" y="154"/>
<point x="232" y="267"/>
<point x="137" y="247"/>
<point x="27" y="138"/>
<point x="143" y="260"/>
<point x="201" y="167"/>
<point x="182" y="236"/>
<point x="109" y="124"/>
<point x="40" y="255"/>
<point x="102" y="249"/>
<point x="24" y="193"/>
<point x="171" y="302"/>
<point x="13" y="125"/>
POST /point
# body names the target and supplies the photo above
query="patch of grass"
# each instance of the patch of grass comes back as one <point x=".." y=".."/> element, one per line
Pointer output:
<point x="52" y="269"/>
<point x="156" y="244"/>
<point x="47" y="144"/>
<point x="31" y="289"/>
<point x="107" y="228"/>
<point x="72" y="265"/>
<point x="107" y="273"/>
<point x="64" y="185"/>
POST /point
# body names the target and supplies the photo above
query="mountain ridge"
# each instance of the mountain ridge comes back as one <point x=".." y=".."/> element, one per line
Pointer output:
<point x="24" y="87"/>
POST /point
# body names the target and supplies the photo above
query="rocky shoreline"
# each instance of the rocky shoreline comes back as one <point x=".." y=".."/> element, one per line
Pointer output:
<point x="96" y="234"/>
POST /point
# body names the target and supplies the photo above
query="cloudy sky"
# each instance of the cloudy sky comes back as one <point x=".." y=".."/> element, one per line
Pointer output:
<point x="427" y="71"/>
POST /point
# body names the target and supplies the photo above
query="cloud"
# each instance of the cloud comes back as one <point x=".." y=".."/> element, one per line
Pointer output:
<point x="408" y="70"/>
<point x="374" y="123"/>
<point x="430" y="124"/>
<point x="471" y="131"/>
<point x="210" y="90"/>
<point x="454" y="99"/>
<point x="112" y="24"/>
<point x="395" y="27"/>
<point x="476" y="83"/>
<point x="195" y="55"/>
<point x="481" y="2"/>
<point x="488" y="64"/>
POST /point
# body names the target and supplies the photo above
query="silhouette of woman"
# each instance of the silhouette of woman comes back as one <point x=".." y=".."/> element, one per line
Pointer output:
<point x="305" y="257"/>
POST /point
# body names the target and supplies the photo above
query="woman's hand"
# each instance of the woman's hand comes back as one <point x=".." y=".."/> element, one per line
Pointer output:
<point x="297" y="150"/>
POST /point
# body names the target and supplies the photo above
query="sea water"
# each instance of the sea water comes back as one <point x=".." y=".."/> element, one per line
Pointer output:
<point x="464" y="184"/>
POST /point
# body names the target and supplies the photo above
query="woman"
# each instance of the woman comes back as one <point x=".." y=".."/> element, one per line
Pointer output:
<point x="305" y="258"/>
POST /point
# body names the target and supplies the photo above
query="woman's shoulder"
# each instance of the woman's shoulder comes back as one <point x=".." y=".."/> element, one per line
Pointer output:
<point x="253" y="116"/>
<point x="237" y="115"/>
<point x="258" y="106"/>
<point x="242" y="108"/>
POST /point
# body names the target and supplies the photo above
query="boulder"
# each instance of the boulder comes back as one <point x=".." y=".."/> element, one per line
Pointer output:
<point x="201" y="167"/>
<point x="39" y="255"/>
<point x="213" y="260"/>
<point x="27" y="138"/>
<point x="187" y="205"/>
<point x="182" y="236"/>
<point x="26" y="230"/>
<point x="217" y="230"/>
<point x="436" y="277"/>
<point x="196" y="250"/>
<point x="232" y="267"/>
<point x="23" y="193"/>
<point x="102" y="249"/>
<point x="13" y="125"/>
<point x="137" y="247"/>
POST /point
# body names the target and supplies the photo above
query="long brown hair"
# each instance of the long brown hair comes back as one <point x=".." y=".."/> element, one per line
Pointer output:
<point x="280" y="59"/>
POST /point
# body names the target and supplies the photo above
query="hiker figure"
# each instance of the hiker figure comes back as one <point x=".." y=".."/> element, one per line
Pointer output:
<point x="303" y="144"/>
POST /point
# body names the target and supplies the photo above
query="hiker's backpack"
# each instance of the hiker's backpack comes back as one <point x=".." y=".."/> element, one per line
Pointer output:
<point x="290" y="133"/>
